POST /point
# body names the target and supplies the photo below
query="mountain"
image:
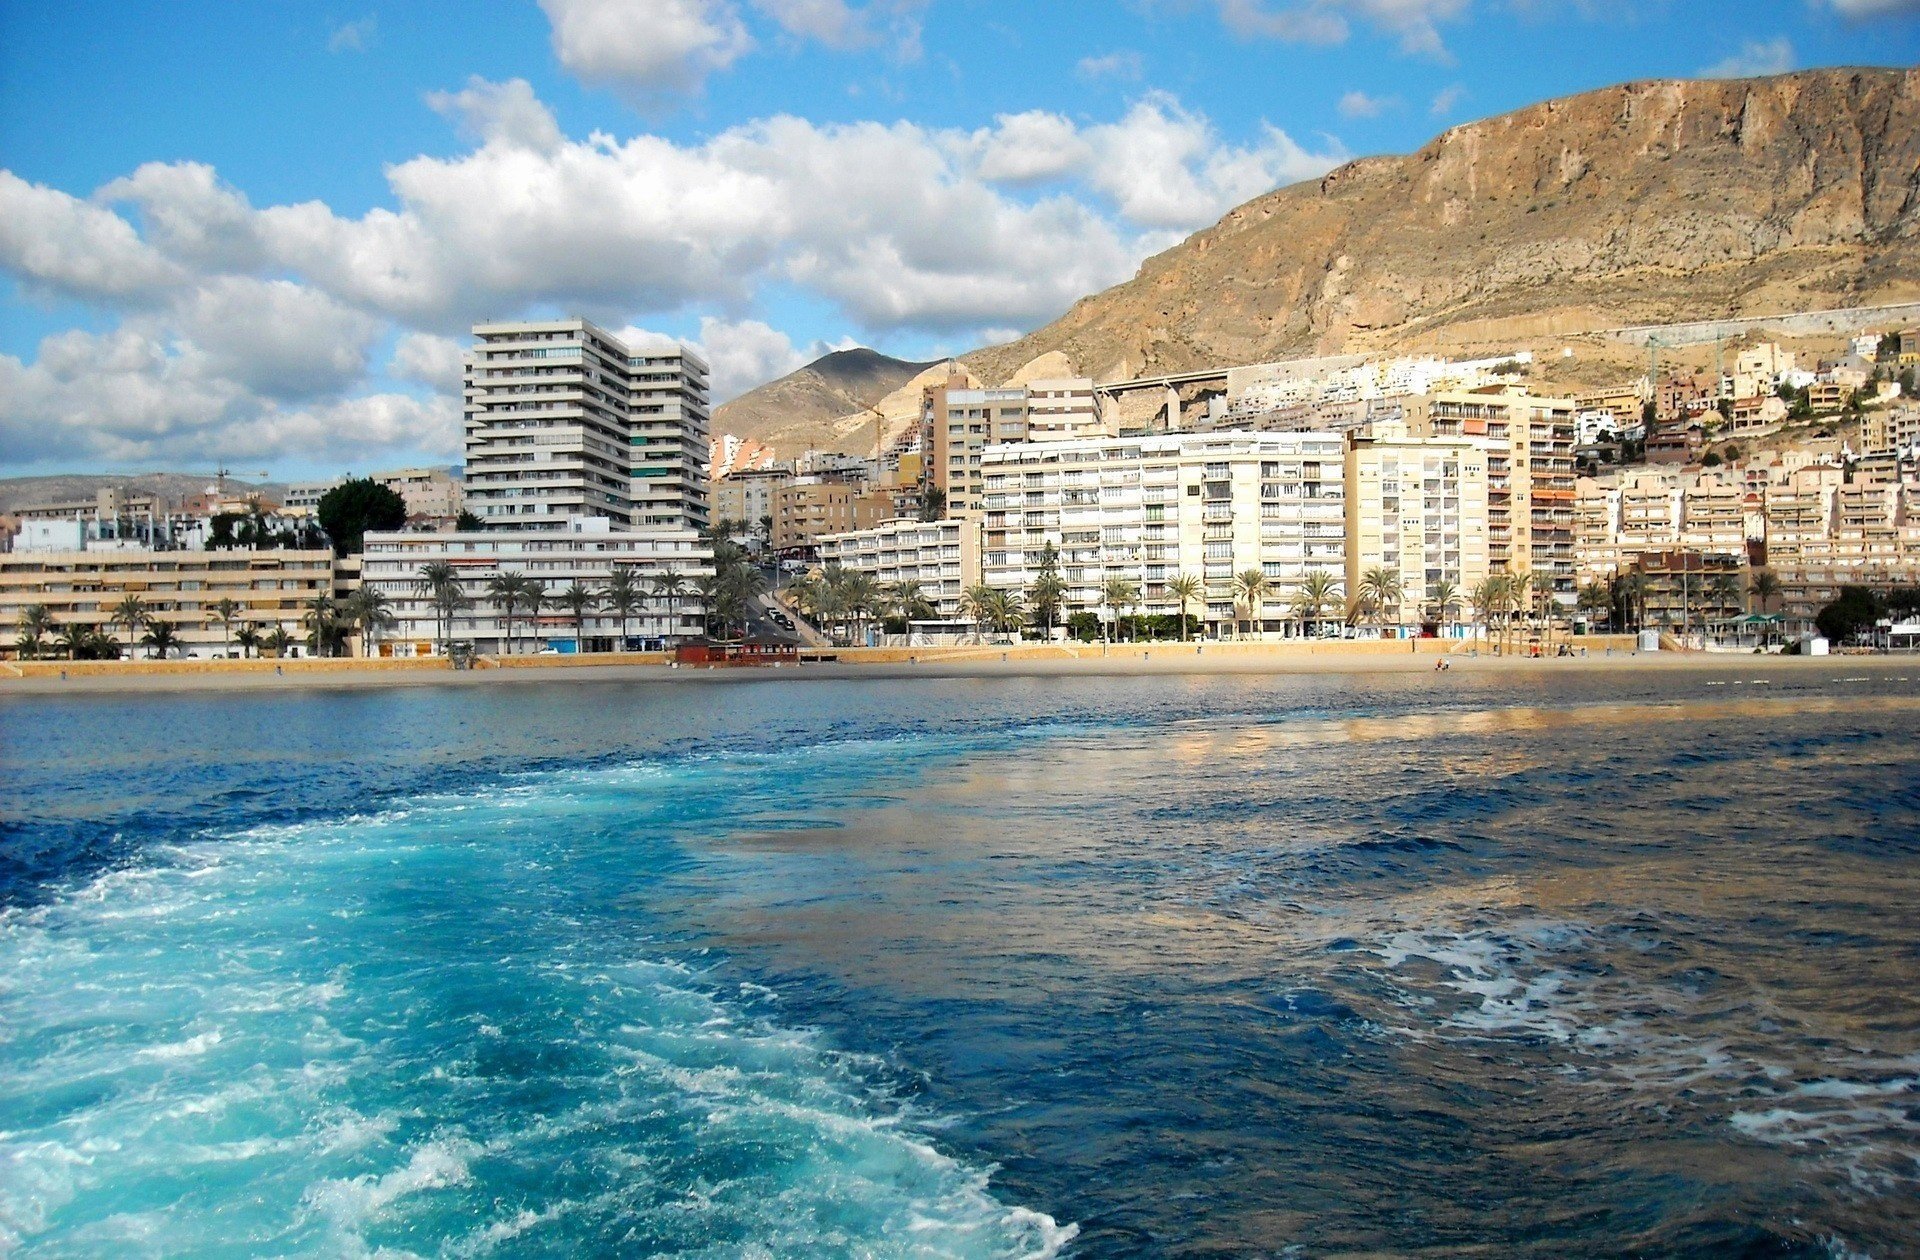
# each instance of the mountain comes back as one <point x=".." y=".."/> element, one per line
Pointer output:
<point x="797" y="410"/>
<point x="1644" y="203"/>
<point x="18" y="492"/>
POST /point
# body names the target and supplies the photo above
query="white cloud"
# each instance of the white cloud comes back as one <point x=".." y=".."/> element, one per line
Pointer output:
<point x="430" y="360"/>
<point x="274" y="337"/>
<point x="1858" y="9"/>
<point x="839" y="25"/>
<point x="190" y="216"/>
<point x="353" y="36"/>
<point x="661" y="46"/>
<point x="1357" y="104"/>
<point x="74" y="248"/>
<point x="1755" y="58"/>
<point x="500" y="113"/>
<point x="1029" y="147"/>
<point x="1415" y="23"/>
<point x="1446" y="100"/>
<point x="1124" y="64"/>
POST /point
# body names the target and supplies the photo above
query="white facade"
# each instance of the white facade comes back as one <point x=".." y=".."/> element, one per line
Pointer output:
<point x="563" y="421"/>
<point x="941" y="557"/>
<point x="588" y="555"/>
<point x="430" y="493"/>
<point x="1147" y="509"/>
<point x="1065" y="410"/>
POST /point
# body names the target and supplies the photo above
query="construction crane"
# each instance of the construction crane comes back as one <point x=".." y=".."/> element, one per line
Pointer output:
<point x="221" y="474"/>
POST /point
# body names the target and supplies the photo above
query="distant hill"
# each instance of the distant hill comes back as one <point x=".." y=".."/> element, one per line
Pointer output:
<point x="797" y="410"/>
<point x="1643" y="203"/>
<point x="18" y="492"/>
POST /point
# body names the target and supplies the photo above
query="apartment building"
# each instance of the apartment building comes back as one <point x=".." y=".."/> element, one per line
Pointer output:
<point x="274" y="589"/>
<point x="1150" y="508"/>
<point x="942" y="558"/>
<point x="1530" y="476"/>
<point x="1065" y="410"/>
<point x="1417" y="508"/>
<point x="588" y="552"/>
<point x="748" y="495"/>
<point x="303" y="497"/>
<point x="807" y="509"/>
<point x="431" y="494"/>
<point x="563" y="421"/>
<point x="957" y="423"/>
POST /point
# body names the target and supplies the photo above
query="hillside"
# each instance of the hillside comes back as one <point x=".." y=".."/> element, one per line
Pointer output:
<point x="173" y="487"/>
<point x="794" y="412"/>
<point x="1640" y="203"/>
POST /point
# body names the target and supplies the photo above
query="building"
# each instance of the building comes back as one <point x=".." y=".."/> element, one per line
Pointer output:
<point x="1686" y="591"/>
<point x="565" y="421"/>
<point x="940" y="558"/>
<point x="432" y="495"/>
<point x="957" y="423"/>
<point x="807" y="509"/>
<point x="303" y="497"/>
<point x="588" y="553"/>
<point x="1148" y="509"/>
<point x="748" y="496"/>
<point x="1417" y="508"/>
<point x="1530" y="476"/>
<point x="1065" y="410"/>
<point x="274" y="590"/>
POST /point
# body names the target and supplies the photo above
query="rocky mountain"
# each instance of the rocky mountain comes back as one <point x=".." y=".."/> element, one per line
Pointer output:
<point x="797" y="410"/>
<point x="1644" y="203"/>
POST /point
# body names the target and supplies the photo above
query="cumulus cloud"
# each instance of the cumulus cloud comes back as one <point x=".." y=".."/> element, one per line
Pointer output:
<point x="661" y="46"/>
<point x="353" y="36"/>
<point x="500" y="113"/>
<point x="1124" y="64"/>
<point x="1028" y="147"/>
<point x="1755" y="58"/>
<point x="1357" y="104"/>
<point x="1859" y="9"/>
<point x="1446" y="100"/>
<point x="429" y="360"/>
<point x="843" y="26"/>
<point x="1415" y="23"/>
<point x="74" y="248"/>
<point x="274" y="337"/>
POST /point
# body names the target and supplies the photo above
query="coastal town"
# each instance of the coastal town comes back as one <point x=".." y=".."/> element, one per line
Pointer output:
<point x="1771" y="505"/>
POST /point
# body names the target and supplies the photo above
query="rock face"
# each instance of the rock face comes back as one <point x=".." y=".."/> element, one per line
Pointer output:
<point x="1648" y="202"/>
<point x="799" y="409"/>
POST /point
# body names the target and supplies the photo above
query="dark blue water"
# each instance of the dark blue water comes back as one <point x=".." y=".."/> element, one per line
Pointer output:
<point x="1597" y="965"/>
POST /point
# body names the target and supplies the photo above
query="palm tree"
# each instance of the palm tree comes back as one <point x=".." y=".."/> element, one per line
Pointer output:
<point x="248" y="637"/>
<point x="226" y="611"/>
<point x="1118" y="594"/>
<point x="1380" y="587"/>
<point x="161" y="637"/>
<point x="1444" y="598"/>
<point x="1048" y="594"/>
<point x="670" y="586"/>
<point x="34" y="622"/>
<point x="579" y="601"/>
<point x="1318" y="590"/>
<point x="860" y="596"/>
<point x="976" y="604"/>
<point x="439" y="581"/>
<point x="1725" y="590"/>
<point x="327" y="620"/>
<point x="74" y="640"/>
<point x="623" y="598"/>
<point x="1250" y="586"/>
<point x="1594" y="599"/>
<point x="277" y="640"/>
<point x="132" y="613"/>
<point x="1186" y="588"/>
<point x="367" y="608"/>
<point x="509" y="592"/>
<point x="909" y="601"/>
<point x="1765" y="587"/>
<point x="1005" y="611"/>
<point x="1486" y="598"/>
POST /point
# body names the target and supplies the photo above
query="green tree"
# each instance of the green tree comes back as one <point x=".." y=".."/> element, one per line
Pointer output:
<point x="670" y="587"/>
<point x="623" y="598"/>
<point x="276" y="640"/>
<point x="1004" y="611"/>
<point x="1186" y="588"/>
<point x="226" y="611"/>
<point x="909" y="601"/>
<point x="1250" y="587"/>
<point x="1851" y="615"/>
<point x="1118" y="595"/>
<point x="249" y="638"/>
<point x="468" y="523"/>
<point x="131" y="612"/>
<point x="353" y="508"/>
<point x="368" y="610"/>
<point x="1047" y="596"/>
<point x="326" y="624"/>
<point x="1318" y="591"/>
<point x="161" y="638"/>
<point x="578" y="601"/>
<point x="1380" y="587"/>
<point x="1764" y="588"/>
<point x="1444" y="598"/>
<point x="1596" y="601"/>
<point x="35" y="623"/>
<point x="933" y="503"/>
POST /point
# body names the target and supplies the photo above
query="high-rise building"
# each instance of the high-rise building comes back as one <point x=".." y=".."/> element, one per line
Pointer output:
<point x="1417" y="508"/>
<point x="563" y="420"/>
<point x="958" y="422"/>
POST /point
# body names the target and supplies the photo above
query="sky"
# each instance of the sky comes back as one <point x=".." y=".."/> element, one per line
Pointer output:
<point x="257" y="234"/>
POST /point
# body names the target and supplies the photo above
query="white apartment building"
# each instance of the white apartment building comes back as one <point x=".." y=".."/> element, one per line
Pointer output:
<point x="587" y="553"/>
<point x="1417" y="508"/>
<point x="1065" y="410"/>
<point x="1147" y="509"/>
<point x="431" y="494"/>
<point x="941" y="557"/>
<point x="303" y="497"/>
<point x="563" y="421"/>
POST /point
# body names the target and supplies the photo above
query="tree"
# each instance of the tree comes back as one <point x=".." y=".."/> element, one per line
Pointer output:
<point x="1596" y="601"/>
<point x="367" y="608"/>
<point x="623" y="597"/>
<point x="1318" y="590"/>
<point x="1048" y="594"/>
<point x="859" y="597"/>
<point x="933" y="503"/>
<point x="1765" y="587"/>
<point x="670" y="586"/>
<point x="277" y="641"/>
<point x="249" y="639"/>
<point x="578" y="601"/>
<point x="161" y="637"/>
<point x="35" y="624"/>
<point x="439" y="581"/>
<point x="1118" y="594"/>
<point x="132" y="613"/>
<point x="468" y="523"/>
<point x="976" y="603"/>
<point x="1380" y="587"/>
<point x="1444" y="598"/>
<point x="226" y="611"/>
<point x="1725" y="590"/>
<point x="1250" y="586"/>
<point x="1004" y="611"/>
<point x="352" y="508"/>
<point x="909" y="601"/>
<point x="1853" y="613"/>
<point x="327" y="626"/>
<point x="1186" y="588"/>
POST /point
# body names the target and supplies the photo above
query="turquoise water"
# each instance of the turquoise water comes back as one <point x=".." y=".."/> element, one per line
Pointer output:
<point x="1013" y="967"/>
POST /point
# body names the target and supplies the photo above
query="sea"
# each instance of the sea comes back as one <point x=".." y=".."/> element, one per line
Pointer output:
<point x="1610" y="963"/>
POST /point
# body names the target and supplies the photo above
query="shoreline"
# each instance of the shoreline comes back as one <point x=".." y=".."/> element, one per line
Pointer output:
<point x="1168" y="659"/>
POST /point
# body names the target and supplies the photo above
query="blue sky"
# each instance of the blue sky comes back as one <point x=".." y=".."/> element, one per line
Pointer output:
<point x="257" y="232"/>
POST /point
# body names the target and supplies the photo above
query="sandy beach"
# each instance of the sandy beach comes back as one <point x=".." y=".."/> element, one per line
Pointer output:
<point x="45" y="678"/>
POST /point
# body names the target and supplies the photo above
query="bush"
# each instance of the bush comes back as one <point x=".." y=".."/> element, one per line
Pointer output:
<point x="352" y="508"/>
<point x="1084" y="626"/>
<point x="1849" y="616"/>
